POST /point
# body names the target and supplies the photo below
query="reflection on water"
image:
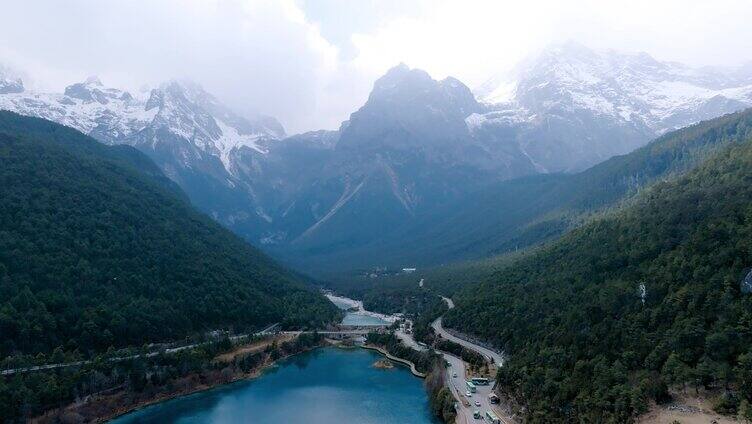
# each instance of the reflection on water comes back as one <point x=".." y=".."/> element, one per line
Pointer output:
<point x="324" y="386"/>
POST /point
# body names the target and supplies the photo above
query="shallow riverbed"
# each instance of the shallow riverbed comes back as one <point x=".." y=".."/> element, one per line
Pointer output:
<point x="361" y="317"/>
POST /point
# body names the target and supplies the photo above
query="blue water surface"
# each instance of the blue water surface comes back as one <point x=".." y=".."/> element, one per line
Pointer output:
<point x="327" y="385"/>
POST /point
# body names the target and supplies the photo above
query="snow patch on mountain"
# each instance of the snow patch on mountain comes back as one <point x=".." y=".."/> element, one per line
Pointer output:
<point x="230" y="139"/>
<point x="632" y="88"/>
<point x="175" y="109"/>
<point x="9" y="81"/>
<point x="475" y="121"/>
<point x="86" y="107"/>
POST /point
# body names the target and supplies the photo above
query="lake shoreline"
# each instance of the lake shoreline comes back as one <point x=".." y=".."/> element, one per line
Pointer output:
<point x="397" y="359"/>
<point x="328" y="373"/>
<point x="112" y="405"/>
<point x="118" y="412"/>
<point x="239" y="378"/>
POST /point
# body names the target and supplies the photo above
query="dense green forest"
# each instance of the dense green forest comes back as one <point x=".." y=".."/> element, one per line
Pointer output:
<point x="388" y="295"/>
<point x="637" y="301"/>
<point x="137" y="380"/>
<point x="518" y="215"/>
<point x="515" y="214"/>
<point x="99" y="249"/>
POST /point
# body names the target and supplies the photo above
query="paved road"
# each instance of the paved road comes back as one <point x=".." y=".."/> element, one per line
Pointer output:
<point x="468" y="404"/>
<point x="457" y="384"/>
<point x="267" y="330"/>
<point x="330" y="333"/>
<point x="408" y="339"/>
<point x="495" y="357"/>
<point x="491" y="355"/>
<point x="459" y="389"/>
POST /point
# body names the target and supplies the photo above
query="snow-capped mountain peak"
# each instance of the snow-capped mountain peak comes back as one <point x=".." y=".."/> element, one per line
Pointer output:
<point x="409" y="109"/>
<point x="186" y="110"/>
<point x="10" y="83"/>
<point x="571" y="107"/>
<point x="92" y="90"/>
<point x="176" y="112"/>
<point x="623" y="86"/>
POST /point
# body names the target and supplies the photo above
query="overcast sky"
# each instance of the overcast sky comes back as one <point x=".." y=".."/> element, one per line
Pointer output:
<point x="312" y="62"/>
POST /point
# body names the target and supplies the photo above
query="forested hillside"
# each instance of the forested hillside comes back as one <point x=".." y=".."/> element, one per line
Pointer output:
<point x="604" y="320"/>
<point x="519" y="213"/>
<point x="99" y="249"/>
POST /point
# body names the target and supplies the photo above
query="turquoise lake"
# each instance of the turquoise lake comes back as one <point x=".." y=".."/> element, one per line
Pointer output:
<point x="327" y="385"/>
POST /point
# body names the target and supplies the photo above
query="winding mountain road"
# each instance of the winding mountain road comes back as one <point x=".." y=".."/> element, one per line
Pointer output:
<point x="495" y="357"/>
<point x="456" y="378"/>
<point x="22" y="370"/>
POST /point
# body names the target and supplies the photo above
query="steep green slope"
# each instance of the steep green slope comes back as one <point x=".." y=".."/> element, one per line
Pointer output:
<point x="95" y="252"/>
<point x="586" y="346"/>
<point x="519" y="213"/>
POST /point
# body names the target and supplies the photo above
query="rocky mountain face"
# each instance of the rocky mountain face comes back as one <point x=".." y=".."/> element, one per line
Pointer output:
<point x="416" y="146"/>
<point x="572" y="107"/>
<point x="8" y="86"/>
<point x="406" y="150"/>
<point x="185" y="130"/>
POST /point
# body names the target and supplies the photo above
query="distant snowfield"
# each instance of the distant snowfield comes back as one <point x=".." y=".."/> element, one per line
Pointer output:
<point x="123" y="117"/>
<point x="115" y="116"/>
<point x="627" y="87"/>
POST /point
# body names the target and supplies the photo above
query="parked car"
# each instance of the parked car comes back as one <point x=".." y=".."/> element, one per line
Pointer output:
<point x="468" y="394"/>
<point x="477" y="403"/>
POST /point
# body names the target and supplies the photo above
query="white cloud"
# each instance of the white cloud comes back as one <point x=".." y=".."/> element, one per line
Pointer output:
<point x="463" y="39"/>
<point x="270" y="56"/>
<point x="257" y="55"/>
<point x="474" y="39"/>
